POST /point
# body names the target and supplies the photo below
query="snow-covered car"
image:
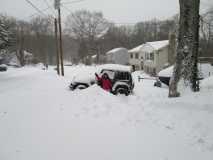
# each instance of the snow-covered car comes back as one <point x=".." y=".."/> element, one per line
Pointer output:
<point x="3" y="68"/>
<point x="164" y="77"/>
<point x="120" y="75"/>
<point x="82" y="81"/>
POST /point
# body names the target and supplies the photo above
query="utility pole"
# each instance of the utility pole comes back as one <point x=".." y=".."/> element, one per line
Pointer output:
<point x="60" y="41"/>
<point x="57" y="50"/>
<point x="57" y="7"/>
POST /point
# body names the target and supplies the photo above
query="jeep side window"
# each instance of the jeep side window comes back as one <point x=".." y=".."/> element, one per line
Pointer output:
<point x="123" y="76"/>
<point x="110" y="73"/>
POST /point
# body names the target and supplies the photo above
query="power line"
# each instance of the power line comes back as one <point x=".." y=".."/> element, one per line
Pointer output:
<point x="76" y="1"/>
<point x="65" y="3"/>
<point x="122" y="23"/>
<point x="36" y="8"/>
<point x="66" y="8"/>
<point x="39" y="10"/>
<point x="125" y="23"/>
<point x="35" y="14"/>
<point x="48" y="5"/>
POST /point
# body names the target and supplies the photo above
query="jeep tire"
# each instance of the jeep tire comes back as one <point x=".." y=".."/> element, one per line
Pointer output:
<point x="122" y="90"/>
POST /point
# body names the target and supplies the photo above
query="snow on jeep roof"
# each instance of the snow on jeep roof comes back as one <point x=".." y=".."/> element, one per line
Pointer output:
<point x="116" y="67"/>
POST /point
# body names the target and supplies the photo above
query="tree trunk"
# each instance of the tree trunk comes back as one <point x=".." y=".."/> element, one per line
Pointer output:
<point x="172" y="48"/>
<point x="187" y="48"/>
<point x="195" y="48"/>
<point x="20" y="48"/>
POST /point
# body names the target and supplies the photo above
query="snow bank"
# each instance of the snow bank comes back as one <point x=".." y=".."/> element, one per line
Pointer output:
<point x="207" y="83"/>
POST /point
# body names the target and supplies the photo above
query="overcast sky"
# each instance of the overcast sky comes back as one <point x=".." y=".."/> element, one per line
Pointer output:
<point x="118" y="11"/>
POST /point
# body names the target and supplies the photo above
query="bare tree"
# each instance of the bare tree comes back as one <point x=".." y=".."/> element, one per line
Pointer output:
<point x="86" y="27"/>
<point x="43" y="30"/>
<point x="206" y="29"/>
<point x="22" y="30"/>
<point x="187" y="48"/>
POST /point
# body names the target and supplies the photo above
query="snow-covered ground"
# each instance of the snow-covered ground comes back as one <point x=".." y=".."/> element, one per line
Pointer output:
<point x="40" y="119"/>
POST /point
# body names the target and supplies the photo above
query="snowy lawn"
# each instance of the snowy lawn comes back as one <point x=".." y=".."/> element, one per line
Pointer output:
<point x="40" y="119"/>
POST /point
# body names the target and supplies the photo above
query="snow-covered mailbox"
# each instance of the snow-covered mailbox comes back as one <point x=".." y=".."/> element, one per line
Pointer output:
<point x="118" y="56"/>
<point x="155" y="56"/>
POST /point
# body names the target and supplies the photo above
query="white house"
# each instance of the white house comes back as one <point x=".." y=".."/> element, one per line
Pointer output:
<point x="136" y="57"/>
<point x="156" y="56"/>
<point x="118" y="56"/>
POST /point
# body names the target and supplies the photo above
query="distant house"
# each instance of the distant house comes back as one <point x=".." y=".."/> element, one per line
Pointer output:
<point x="100" y="59"/>
<point x="156" y="56"/>
<point x="118" y="56"/>
<point x="136" y="57"/>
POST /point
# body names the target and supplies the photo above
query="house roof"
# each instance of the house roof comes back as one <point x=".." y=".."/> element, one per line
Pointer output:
<point x="156" y="45"/>
<point x="116" y="50"/>
<point x="136" y="49"/>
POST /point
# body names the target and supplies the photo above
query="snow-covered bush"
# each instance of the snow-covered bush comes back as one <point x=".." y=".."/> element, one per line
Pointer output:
<point x="6" y="36"/>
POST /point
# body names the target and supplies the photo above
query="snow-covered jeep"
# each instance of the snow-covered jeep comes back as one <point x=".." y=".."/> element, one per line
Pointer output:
<point x="122" y="82"/>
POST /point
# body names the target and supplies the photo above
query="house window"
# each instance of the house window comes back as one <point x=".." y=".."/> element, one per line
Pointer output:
<point x="131" y="56"/>
<point x="136" y="55"/>
<point x="151" y="56"/>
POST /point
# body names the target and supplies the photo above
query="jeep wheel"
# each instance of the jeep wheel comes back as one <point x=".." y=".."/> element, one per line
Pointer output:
<point x="122" y="91"/>
<point x="158" y="84"/>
